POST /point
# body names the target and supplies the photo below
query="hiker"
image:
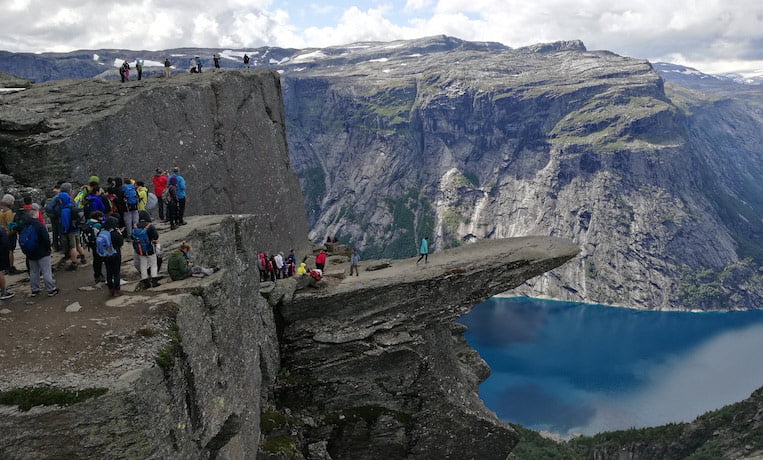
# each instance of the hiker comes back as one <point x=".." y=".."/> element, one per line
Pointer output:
<point x="291" y="263"/>
<point x="262" y="266"/>
<point x="302" y="270"/>
<point x="4" y="263"/>
<point x="160" y="183"/>
<point x="131" y="199"/>
<point x="180" y="195"/>
<point x="216" y="58"/>
<point x="69" y="214"/>
<point x="112" y="262"/>
<point x="320" y="260"/>
<point x="142" y="195"/>
<point x="90" y="235"/>
<point x="29" y="205"/>
<point x="198" y="63"/>
<point x="139" y="67"/>
<point x="167" y="67"/>
<point x="246" y="60"/>
<point x="424" y="250"/>
<point x="124" y="71"/>
<point x="170" y="197"/>
<point x="53" y="214"/>
<point x="179" y="265"/>
<point x="35" y="244"/>
<point x="278" y="258"/>
<point x="144" y="239"/>
<point x="272" y="267"/>
<point x="354" y="262"/>
<point x="6" y="219"/>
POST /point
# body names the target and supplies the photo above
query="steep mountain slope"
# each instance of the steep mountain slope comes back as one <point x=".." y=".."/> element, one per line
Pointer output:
<point x="443" y="138"/>
<point x="461" y="141"/>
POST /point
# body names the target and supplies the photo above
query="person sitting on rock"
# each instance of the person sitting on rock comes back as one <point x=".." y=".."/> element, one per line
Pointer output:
<point x="180" y="267"/>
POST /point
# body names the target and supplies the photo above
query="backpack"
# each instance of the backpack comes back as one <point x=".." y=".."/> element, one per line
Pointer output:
<point x="131" y="196"/>
<point x="103" y="245"/>
<point x="53" y="206"/>
<point x="87" y="237"/>
<point x="93" y="203"/>
<point x="141" y="242"/>
<point x="80" y="198"/>
<point x="28" y="239"/>
<point x="19" y="220"/>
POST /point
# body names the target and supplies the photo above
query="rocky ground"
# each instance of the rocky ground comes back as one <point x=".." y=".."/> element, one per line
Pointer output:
<point x="82" y="335"/>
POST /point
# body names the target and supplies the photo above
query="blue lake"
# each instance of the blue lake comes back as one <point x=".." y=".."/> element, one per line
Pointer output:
<point x="580" y="368"/>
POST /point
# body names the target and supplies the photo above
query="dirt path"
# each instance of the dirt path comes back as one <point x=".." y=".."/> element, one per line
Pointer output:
<point x="106" y="337"/>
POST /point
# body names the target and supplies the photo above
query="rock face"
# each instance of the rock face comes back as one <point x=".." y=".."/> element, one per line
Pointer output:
<point x="374" y="367"/>
<point x="380" y="370"/>
<point x="202" y="397"/>
<point x="467" y="142"/>
<point x="224" y="130"/>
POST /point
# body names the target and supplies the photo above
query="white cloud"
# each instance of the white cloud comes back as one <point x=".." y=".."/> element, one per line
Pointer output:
<point x="698" y="30"/>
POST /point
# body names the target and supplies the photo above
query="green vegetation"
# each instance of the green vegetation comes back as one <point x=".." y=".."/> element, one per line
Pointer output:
<point x="170" y="350"/>
<point x="28" y="397"/>
<point x="590" y="269"/>
<point x="710" y="289"/>
<point x="271" y="420"/>
<point x="283" y="445"/>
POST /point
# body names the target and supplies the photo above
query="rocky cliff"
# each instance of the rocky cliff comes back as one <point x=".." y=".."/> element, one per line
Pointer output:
<point x="225" y="131"/>
<point x="465" y="140"/>
<point x="370" y="366"/>
<point x="471" y="142"/>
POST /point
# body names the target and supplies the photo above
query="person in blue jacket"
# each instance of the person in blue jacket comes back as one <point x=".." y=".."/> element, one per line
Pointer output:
<point x="181" y="195"/>
<point x="424" y="251"/>
<point x="38" y="256"/>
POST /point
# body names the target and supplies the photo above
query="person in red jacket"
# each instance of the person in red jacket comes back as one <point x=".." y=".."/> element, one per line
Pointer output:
<point x="160" y="183"/>
<point x="320" y="260"/>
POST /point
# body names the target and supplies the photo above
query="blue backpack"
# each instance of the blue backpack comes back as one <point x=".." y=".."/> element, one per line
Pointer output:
<point x="131" y="195"/>
<point x="103" y="244"/>
<point x="28" y="239"/>
<point x="94" y="203"/>
<point x="141" y="242"/>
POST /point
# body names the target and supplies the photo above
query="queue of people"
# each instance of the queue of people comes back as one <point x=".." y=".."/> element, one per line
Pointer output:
<point x="95" y="218"/>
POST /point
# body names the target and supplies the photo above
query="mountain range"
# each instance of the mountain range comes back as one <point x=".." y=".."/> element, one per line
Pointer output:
<point x="653" y="169"/>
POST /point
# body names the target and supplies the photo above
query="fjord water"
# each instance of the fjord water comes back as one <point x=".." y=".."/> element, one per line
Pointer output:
<point x="573" y="368"/>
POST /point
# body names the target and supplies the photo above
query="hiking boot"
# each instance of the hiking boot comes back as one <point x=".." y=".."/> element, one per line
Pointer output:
<point x="34" y="294"/>
<point x="183" y="223"/>
<point x="173" y="227"/>
<point x="53" y="292"/>
<point x="82" y="259"/>
<point x="72" y="267"/>
<point x="7" y="295"/>
<point x="117" y="292"/>
<point x="154" y="282"/>
<point x="14" y="271"/>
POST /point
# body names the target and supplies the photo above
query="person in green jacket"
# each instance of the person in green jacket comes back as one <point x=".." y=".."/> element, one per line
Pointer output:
<point x="179" y="265"/>
<point x="424" y="251"/>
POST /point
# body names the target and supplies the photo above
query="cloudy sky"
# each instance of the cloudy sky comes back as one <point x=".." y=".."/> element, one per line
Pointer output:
<point x="711" y="35"/>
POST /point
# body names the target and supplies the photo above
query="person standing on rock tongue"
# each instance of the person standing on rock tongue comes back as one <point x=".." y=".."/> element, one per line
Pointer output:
<point x="424" y="251"/>
<point x="172" y="203"/>
<point x="320" y="260"/>
<point x="246" y="60"/>
<point x="180" y="195"/>
<point x="216" y="58"/>
<point x="167" y="67"/>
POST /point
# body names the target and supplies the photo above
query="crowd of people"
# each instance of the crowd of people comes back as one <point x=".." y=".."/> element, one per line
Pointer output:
<point x="97" y="219"/>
